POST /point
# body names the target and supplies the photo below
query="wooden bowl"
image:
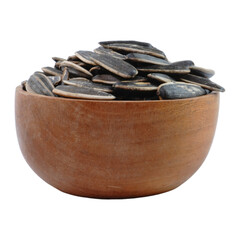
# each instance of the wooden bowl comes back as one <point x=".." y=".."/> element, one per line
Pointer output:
<point x="115" y="149"/>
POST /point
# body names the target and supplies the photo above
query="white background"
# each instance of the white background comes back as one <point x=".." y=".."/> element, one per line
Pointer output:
<point x="207" y="206"/>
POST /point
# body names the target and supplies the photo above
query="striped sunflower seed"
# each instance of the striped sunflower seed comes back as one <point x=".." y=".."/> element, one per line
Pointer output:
<point x="144" y="58"/>
<point x="85" y="56"/>
<point x="52" y="71"/>
<point x="203" y="82"/>
<point x="168" y="69"/>
<point x="160" y="77"/>
<point x="115" y="65"/>
<point x="65" y="75"/>
<point x="81" y="92"/>
<point x="76" y="67"/>
<point x="35" y="84"/>
<point x="137" y="49"/>
<point x="56" y="80"/>
<point x="179" y="91"/>
<point x="88" y="83"/>
<point x="202" y="72"/>
<point x="135" y="86"/>
<point x="107" y="51"/>
<point x="130" y="42"/>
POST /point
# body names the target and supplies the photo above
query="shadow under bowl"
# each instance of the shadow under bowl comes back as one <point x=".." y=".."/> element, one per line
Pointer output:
<point x="114" y="149"/>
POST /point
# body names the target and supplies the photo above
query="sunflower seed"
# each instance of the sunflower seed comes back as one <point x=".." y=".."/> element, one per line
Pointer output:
<point x="82" y="64"/>
<point x="137" y="49"/>
<point x="65" y="75"/>
<point x="85" y="56"/>
<point x="78" y="62"/>
<point x="179" y="91"/>
<point x="143" y="44"/>
<point x="75" y="73"/>
<point x="88" y="83"/>
<point x="136" y="79"/>
<point x="58" y="65"/>
<point x="107" y="51"/>
<point x="80" y="79"/>
<point x="29" y="89"/>
<point x="57" y="59"/>
<point x="184" y="64"/>
<point x="45" y="80"/>
<point x="82" y="92"/>
<point x="35" y="85"/>
<point x="39" y="72"/>
<point x="52" y="71"/>
<point x="72" y="58"/>
<point x="144" y="58"/>
<point x="106" y="79"/>
<point x="135" y="86"/>
<point x="55" y="80"/>
<point x="115" y="65"/>
<point x="95" y="70"/>
<point x="76" y="67"/>
<point x="171" y="69"/>
<point x="202" y="72"/>
<point x="207" y="91"/>
<point x="203" y="82"/>
<point x="77" y="83"/>
<point x="160" y="77"/>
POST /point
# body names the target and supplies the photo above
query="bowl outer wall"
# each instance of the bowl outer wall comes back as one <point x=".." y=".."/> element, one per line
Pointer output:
<point x="115" y="149"/>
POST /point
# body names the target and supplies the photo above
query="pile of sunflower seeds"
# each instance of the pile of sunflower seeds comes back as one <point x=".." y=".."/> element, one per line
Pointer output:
<point x="122" y="70"/>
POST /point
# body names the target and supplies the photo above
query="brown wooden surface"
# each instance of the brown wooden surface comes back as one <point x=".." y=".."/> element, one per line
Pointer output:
<point x="115" y="149"/>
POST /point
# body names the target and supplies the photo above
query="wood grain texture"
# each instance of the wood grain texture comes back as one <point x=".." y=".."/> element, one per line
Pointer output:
<point x="115" y="149"/>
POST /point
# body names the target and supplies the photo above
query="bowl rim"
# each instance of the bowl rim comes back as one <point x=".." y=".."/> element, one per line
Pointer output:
<point x="24" y="92"/>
